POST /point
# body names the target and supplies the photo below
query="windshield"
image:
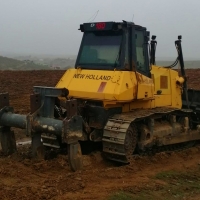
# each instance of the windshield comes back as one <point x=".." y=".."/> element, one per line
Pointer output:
<point x="100" y="48"/>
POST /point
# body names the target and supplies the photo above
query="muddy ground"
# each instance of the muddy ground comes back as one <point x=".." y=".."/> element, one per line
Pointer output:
<point x="169" y="175"/>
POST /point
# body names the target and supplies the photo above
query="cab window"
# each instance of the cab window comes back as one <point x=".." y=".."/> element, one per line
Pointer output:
<point x="140" y="55"/>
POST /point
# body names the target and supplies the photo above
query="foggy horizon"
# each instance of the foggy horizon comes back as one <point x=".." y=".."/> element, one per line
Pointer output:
<point x="51" y="27"/>
<point x="43" y="55"/>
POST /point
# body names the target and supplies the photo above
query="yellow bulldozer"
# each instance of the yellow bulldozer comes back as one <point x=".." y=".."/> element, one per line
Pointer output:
<point x="115" y="98"/>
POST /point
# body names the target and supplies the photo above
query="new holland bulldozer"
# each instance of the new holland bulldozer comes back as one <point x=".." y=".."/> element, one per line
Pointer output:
<point x="115" y="98"/>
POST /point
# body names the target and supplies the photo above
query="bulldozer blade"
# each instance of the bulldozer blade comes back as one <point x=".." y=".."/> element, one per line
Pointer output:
<point x="75" y="156"/>
<point x="37" y="146"/>
<point x="7" y="141"/>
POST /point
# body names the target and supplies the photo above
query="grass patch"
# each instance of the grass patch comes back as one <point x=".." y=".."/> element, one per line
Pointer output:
<point x="167" y="185"/>
<point x="167" y="175"/>
<point x="143" y="195"/>
<point x="121" y="196"/>
<point x="180" y="184"/>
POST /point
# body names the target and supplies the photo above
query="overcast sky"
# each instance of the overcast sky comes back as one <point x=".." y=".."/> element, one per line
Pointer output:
<point x="51" y="26"/>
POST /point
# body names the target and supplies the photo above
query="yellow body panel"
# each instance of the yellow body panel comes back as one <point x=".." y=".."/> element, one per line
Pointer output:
<point x="165" y="81"/>
<point x="145" y="87"/>
<point x="100" y="85"/>
<point x="126" y="89"/>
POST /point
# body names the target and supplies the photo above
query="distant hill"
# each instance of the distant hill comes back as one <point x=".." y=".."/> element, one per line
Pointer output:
<point x="13" y="64"/>
<point x="62" y="63"/>
<point x="52" y="62"/>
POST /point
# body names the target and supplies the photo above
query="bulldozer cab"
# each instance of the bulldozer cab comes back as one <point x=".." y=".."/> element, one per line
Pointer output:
<point x="111" y="45"/>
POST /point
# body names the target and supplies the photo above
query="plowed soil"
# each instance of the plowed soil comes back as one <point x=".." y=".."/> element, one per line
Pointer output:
<point x="167" y="175"/>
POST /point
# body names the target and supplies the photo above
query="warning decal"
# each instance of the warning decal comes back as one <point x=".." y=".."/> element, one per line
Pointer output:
<point x="102" y="86"/>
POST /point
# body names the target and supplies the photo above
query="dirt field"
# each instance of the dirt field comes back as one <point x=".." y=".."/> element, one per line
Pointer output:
<point x="162" y="176"/>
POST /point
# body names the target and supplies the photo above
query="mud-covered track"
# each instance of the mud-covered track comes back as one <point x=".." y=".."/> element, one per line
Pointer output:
<point x="125" y="134"/>
<point x="117" y="130"/>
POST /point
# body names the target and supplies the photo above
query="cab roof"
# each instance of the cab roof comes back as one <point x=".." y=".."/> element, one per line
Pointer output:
<point x="105" y="26"/>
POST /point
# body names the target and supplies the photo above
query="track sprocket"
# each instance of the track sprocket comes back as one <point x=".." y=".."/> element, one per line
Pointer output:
<point x="130" y="142"/>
